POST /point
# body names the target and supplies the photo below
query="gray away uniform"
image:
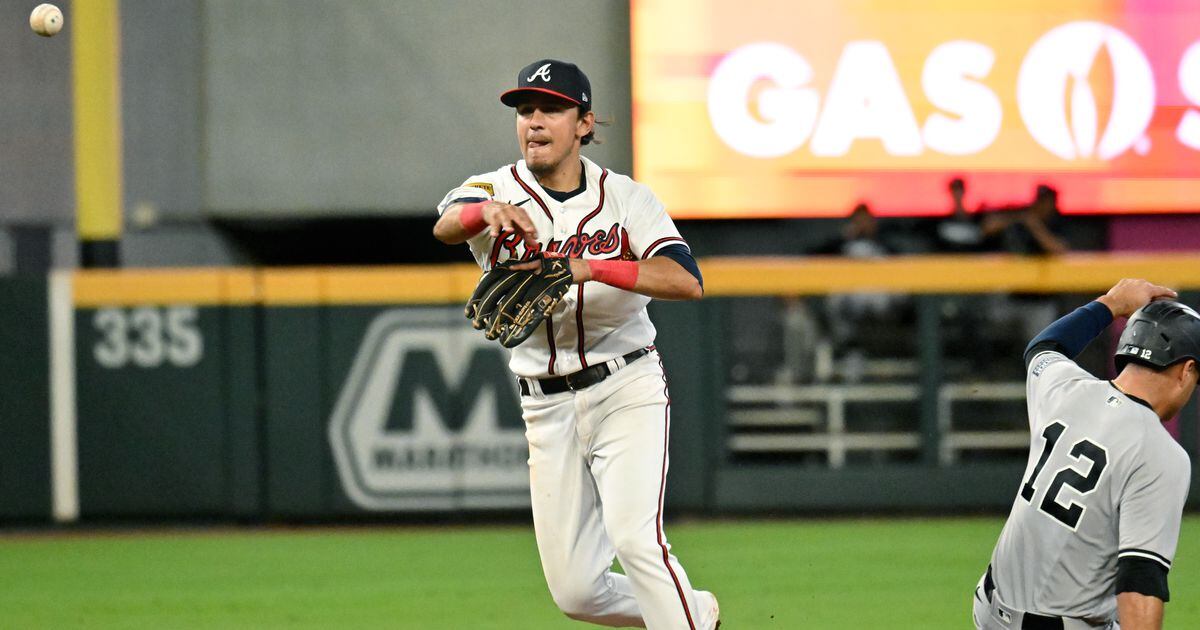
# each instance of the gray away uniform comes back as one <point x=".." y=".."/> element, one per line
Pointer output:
<point x="1105" y="484"/>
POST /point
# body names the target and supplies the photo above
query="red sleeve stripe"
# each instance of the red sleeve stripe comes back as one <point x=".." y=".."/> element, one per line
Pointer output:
<point x="532" y="194"/>
<point x="654" y="246"/>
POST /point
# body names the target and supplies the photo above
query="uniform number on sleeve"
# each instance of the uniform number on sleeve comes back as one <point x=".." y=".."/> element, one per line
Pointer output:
<point x="1083" y="449"/>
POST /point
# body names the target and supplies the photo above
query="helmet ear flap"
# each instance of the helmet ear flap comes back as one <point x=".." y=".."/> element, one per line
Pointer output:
<point x="1120" y="361"/>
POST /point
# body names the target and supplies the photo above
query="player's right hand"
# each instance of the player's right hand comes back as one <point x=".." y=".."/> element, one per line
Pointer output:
<point x="502" y="216"/>
<point x="1130" y="294"/>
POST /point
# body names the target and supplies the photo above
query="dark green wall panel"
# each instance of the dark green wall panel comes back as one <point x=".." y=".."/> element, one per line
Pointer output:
<point x="248" y="428"/>
<point x="298" y="470"/>
<point x="690" y="347"/>
<point x="24" y="399"/>
<point x="895" y="487"/>
<point x="166" y="407"/>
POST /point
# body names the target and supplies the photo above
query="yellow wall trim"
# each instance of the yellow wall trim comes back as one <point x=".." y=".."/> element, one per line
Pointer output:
<point x="944" y="274"/>
<point x="95" y="288"/>
<point x="417" y="284"/>
<point x="724" y="277"/>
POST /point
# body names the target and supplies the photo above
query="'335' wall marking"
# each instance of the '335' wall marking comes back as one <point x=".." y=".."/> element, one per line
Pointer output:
<point x="147" y="337"/>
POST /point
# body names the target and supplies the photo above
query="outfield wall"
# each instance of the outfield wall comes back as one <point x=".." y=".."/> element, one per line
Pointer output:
<point x="24" y="399"/>
<point x="298" y="393"/>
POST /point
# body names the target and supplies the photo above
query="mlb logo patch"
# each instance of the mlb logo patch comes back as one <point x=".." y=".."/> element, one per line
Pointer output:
<point x="1113" y="401"/>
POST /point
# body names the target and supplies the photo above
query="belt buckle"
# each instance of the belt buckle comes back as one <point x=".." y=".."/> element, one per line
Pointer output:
<point x="584" y="378"/>
<point x="572" y="384"/>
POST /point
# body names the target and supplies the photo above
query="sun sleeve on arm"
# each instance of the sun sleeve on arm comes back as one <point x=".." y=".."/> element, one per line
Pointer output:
<point x="1070" y="334"/>
<point x="680" y="254"/>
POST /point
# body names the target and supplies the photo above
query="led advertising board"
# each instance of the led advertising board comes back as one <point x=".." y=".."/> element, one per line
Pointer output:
<point x="776" y="108"/>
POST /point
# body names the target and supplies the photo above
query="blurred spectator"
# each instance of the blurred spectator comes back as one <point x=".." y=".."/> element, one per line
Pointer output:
<point x="849" y="318"/>
<point x="1034" y="230"/>
<point x="860" y="237"/>
<point x="960" y="232"/>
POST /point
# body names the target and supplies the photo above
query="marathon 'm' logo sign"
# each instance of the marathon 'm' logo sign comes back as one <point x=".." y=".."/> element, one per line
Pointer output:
<point x="429" y="418"/>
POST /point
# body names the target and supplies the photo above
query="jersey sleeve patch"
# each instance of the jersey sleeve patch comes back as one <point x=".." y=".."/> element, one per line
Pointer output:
<point x="469" y="192"/>
<point x="1043" y="360"/>
<point x="485" y="186"/>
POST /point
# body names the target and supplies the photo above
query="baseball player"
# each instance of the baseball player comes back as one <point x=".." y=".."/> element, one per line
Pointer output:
<point x="593" y="392"/>
<point x="1093" y="529"/>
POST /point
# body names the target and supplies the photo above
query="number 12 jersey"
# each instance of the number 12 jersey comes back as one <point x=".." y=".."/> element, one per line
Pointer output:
<point x="1104" y="482"/>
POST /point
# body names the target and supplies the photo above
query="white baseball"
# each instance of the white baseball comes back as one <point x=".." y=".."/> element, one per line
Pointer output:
<point x="46" y="20"/>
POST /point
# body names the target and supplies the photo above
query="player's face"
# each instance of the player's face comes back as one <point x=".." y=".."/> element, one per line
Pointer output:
<point x="548" y="132"/>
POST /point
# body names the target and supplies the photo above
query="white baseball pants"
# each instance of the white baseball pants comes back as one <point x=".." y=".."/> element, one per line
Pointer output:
<point x="597" y="470"/>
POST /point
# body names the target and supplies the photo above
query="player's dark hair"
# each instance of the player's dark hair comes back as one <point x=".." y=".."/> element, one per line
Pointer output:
<point x="591" y="137"/>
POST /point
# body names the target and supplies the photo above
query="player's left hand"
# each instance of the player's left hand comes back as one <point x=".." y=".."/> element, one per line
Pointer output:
<point x="580" y="271"/>
<point x="1130" y="294"/>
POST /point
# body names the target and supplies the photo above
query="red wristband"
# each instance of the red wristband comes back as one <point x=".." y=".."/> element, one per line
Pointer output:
<point x="471" y="217"/>
<point x="617" y="273"/>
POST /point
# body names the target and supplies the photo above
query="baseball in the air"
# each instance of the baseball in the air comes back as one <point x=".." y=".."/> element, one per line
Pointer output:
<point x="46" y="20"/>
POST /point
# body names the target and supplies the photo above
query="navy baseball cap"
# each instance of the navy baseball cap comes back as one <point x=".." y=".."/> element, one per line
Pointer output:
<point x="551" y="76"/>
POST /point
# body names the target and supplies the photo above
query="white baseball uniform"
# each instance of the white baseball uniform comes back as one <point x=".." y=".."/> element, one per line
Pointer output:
<point x="598" y="455"/>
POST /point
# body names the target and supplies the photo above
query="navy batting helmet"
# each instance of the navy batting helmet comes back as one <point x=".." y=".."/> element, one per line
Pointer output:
<point x="1160" y="334"/>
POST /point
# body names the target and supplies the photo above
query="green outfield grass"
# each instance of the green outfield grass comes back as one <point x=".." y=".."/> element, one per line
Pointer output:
<point x="879" y="573"/>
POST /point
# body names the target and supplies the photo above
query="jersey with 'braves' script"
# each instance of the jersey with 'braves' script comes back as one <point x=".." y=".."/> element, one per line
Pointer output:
<point x="613" y="218"/>
<point x="1104" y="482"/>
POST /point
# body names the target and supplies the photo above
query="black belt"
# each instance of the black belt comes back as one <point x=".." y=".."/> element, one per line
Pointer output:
<point x="1030" y="621"/>
<point x="578" y="380"/>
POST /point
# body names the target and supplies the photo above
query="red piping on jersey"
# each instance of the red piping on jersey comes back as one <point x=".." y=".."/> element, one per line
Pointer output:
<point x="532" y="194"/>
<point x="599" y="206"/>
<point x="550" y="340"/>
<point x="649" y="250"/>
<point x="579" y="302"/>
<point x="496" y="249"/>
<point x="662" y="486"/>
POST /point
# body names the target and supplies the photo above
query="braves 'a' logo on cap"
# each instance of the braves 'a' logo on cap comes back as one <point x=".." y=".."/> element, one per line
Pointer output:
<point x="543" y="72"/>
